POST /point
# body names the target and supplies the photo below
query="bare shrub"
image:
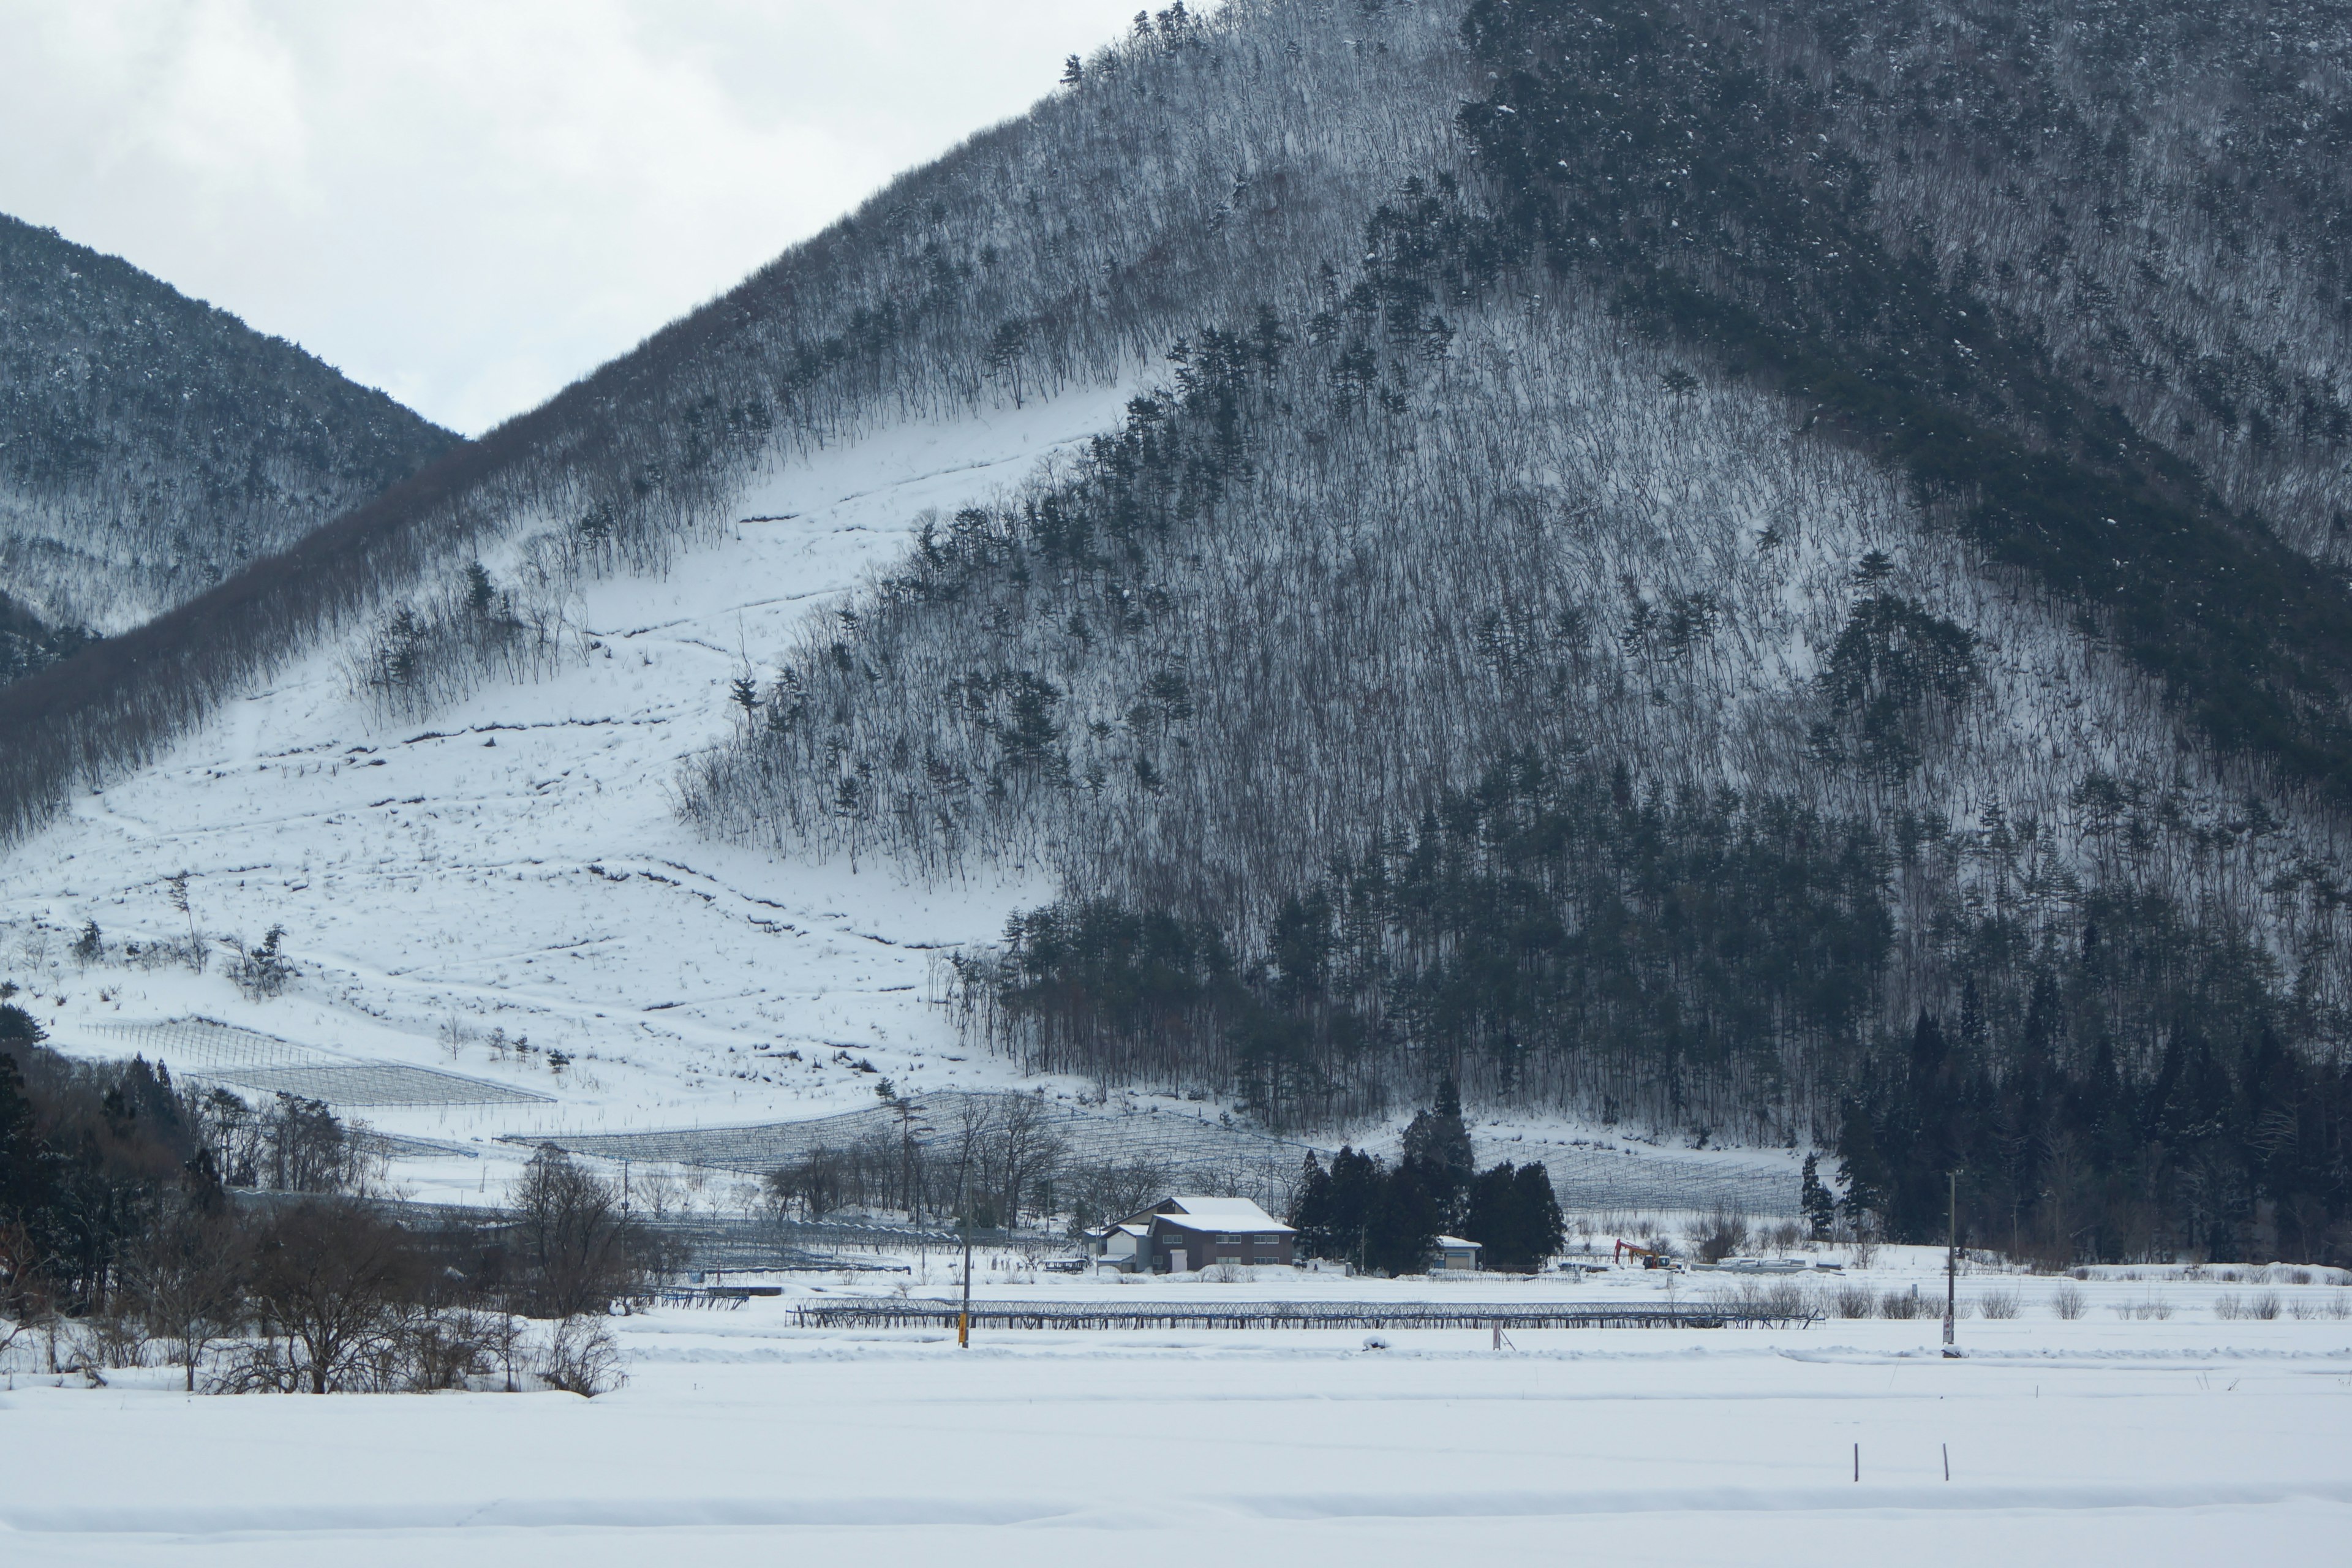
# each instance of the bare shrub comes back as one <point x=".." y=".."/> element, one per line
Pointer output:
<point x="1777" y="1298"/>
<point x="263" y="972"/>
<point x="2264" y="1307"/>
<point x="2001" y="1302"/>
<point x="427" y="1350"/>
<point x="2142" y="1310"/>
<point x="2068" y="1301"/>
<point x="187" y="1270"/>
<point x="2295" y="1276"/>
<point x="1854" y="1301"/>
<point x="2228" y="1307"/>
<point x="1901" y="1304"/>
<point x="2303" y="1310"/>
<point x="1717" y="1236"/>
<point x="116" y="1338"/>
<point x="265" y="1366"/>
<point x="2338" y="1307"/>
<point x="581" y="1358"/>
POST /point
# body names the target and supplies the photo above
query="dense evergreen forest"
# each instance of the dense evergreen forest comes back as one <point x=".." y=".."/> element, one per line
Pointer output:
<point x="27" y="643"/>
<point x="151" y="444"/>
<point x="1375" y="1215"/>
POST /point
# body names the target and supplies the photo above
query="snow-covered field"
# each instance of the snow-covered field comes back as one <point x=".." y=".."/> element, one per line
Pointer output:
<point x="737" y="1437"/>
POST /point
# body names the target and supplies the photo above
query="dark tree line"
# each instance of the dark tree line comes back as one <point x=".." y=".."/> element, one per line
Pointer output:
<point x="2228" y="1145"/>
<point x="1387" y="1218"/>
<point x="132" y="1213"/>
<point x="1551" y="935"/>
<point x="27" y="643"/>
<point x="1788" y="193"/>
<point x="2126" y="1081"/>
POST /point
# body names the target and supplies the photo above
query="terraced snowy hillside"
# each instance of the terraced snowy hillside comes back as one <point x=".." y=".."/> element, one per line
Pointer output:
<point x="515" y="863"/>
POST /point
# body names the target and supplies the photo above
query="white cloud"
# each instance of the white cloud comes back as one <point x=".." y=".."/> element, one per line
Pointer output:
<point x="471" y="204"/>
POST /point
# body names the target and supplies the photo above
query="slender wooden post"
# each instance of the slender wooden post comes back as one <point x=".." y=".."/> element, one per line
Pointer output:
<point x="964" y="1319"/>
<point x="1951" y="1255"/>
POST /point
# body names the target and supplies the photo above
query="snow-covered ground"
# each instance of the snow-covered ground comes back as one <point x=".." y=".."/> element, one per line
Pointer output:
<point x="514" y="862"/>
<point x="2105" y="1439"/>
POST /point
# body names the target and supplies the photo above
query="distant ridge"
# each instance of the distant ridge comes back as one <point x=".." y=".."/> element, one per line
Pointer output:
<point x="150" y="444"/>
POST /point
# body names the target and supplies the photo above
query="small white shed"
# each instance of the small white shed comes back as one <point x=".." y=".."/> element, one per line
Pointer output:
<point x="1455" y="1255"/>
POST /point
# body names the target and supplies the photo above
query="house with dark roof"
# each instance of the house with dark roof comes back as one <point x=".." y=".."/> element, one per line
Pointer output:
<point x="1189" y="1232"/>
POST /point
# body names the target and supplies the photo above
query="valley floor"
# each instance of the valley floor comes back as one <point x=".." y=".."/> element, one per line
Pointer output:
<point x="741" y="1438"/>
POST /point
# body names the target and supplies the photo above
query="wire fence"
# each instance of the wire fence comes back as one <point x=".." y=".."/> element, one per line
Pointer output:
<point x="1192" y="1152"/>
<point x="908" y="1313"/>
<point x="1597" y="1180"/>
<point x="1182" y="1146"/>
<point x="202" y="1045"/>
<point x="366" y="1084"/>
<point x="213" y="1052"/>
<point x="1203" y="1155"/>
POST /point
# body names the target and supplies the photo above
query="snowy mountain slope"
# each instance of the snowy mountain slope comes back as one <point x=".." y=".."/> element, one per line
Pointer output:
<point x="1205" y="163"/>
<point x="151" y="444"/>
<point x="516" y="864"/>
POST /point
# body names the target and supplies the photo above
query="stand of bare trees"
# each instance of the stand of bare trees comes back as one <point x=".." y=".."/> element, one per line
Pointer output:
<point x="246" y="1246"/>
<point x="996" y="1161"/>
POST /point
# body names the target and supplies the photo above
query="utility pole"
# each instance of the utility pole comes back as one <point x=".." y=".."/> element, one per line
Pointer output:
<point x="1951" y="1260"/>
<point x="964" y="1319"/>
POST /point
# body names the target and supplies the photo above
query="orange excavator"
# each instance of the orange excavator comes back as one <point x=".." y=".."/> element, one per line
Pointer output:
<point x="1651" y="1256"/>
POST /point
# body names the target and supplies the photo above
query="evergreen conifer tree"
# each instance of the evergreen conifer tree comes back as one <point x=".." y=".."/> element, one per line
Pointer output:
<point x="1814" y="1199"/>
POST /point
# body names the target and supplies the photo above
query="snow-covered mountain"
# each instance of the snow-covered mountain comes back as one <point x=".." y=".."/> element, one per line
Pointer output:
<point x="1353" y="546"/>
<point x="151" y="444"/>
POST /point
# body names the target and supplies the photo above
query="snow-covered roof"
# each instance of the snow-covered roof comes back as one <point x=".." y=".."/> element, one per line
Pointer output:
<point x="1457" y="1241"/>
<point x="1223" y="1214"/>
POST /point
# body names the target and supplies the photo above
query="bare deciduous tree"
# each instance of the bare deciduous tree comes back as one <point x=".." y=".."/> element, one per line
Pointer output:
<point x="327" y="1273"/>
<point x="187" y="1275"/>
<point x="578" y="1252"/>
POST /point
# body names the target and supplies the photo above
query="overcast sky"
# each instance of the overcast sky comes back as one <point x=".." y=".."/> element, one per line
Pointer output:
<point x="468" y="203"/>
